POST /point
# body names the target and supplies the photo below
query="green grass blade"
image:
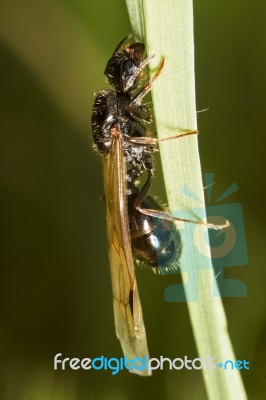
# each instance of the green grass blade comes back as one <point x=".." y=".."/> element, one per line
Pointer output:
<point x="167" y="29"/>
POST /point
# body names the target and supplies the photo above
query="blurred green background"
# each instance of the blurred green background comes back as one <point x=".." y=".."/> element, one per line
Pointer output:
<point x="55" y="284"/>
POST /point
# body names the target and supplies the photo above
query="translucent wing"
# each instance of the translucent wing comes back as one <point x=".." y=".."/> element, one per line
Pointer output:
<point x="129" y="323"/>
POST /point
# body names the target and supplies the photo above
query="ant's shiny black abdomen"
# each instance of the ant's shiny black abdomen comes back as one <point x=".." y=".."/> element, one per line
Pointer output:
<point x="155" y="241"/>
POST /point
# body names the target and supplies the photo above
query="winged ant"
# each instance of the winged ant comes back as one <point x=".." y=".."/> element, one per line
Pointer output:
<point x="136" y="223"/>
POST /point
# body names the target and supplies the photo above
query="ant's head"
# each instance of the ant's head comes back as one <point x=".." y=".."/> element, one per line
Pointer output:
<point x="124" y="67"/>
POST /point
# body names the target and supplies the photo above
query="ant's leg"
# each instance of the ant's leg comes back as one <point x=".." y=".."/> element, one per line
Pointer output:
<point x="144" y="140"/>
<point x="136" y="73"/>
<point x="163" y="215"/>
<point x="187" y="133"/>
<point x="168" y="217"/>
<point x="143" y="192"/>
<point x="121" y="42"/>
<point x="143" y="91"/>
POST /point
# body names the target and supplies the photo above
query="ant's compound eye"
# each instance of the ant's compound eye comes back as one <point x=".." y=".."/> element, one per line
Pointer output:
<point x="136" y="51"/>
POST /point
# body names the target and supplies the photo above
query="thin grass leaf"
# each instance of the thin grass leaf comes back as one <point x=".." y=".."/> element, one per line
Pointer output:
<point x="167" y="30"/>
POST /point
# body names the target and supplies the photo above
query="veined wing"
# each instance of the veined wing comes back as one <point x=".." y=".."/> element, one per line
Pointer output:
<point x="128" y="317"/>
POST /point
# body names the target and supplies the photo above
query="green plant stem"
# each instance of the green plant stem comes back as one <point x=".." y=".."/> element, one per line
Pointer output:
<point x="167" y="30"/>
